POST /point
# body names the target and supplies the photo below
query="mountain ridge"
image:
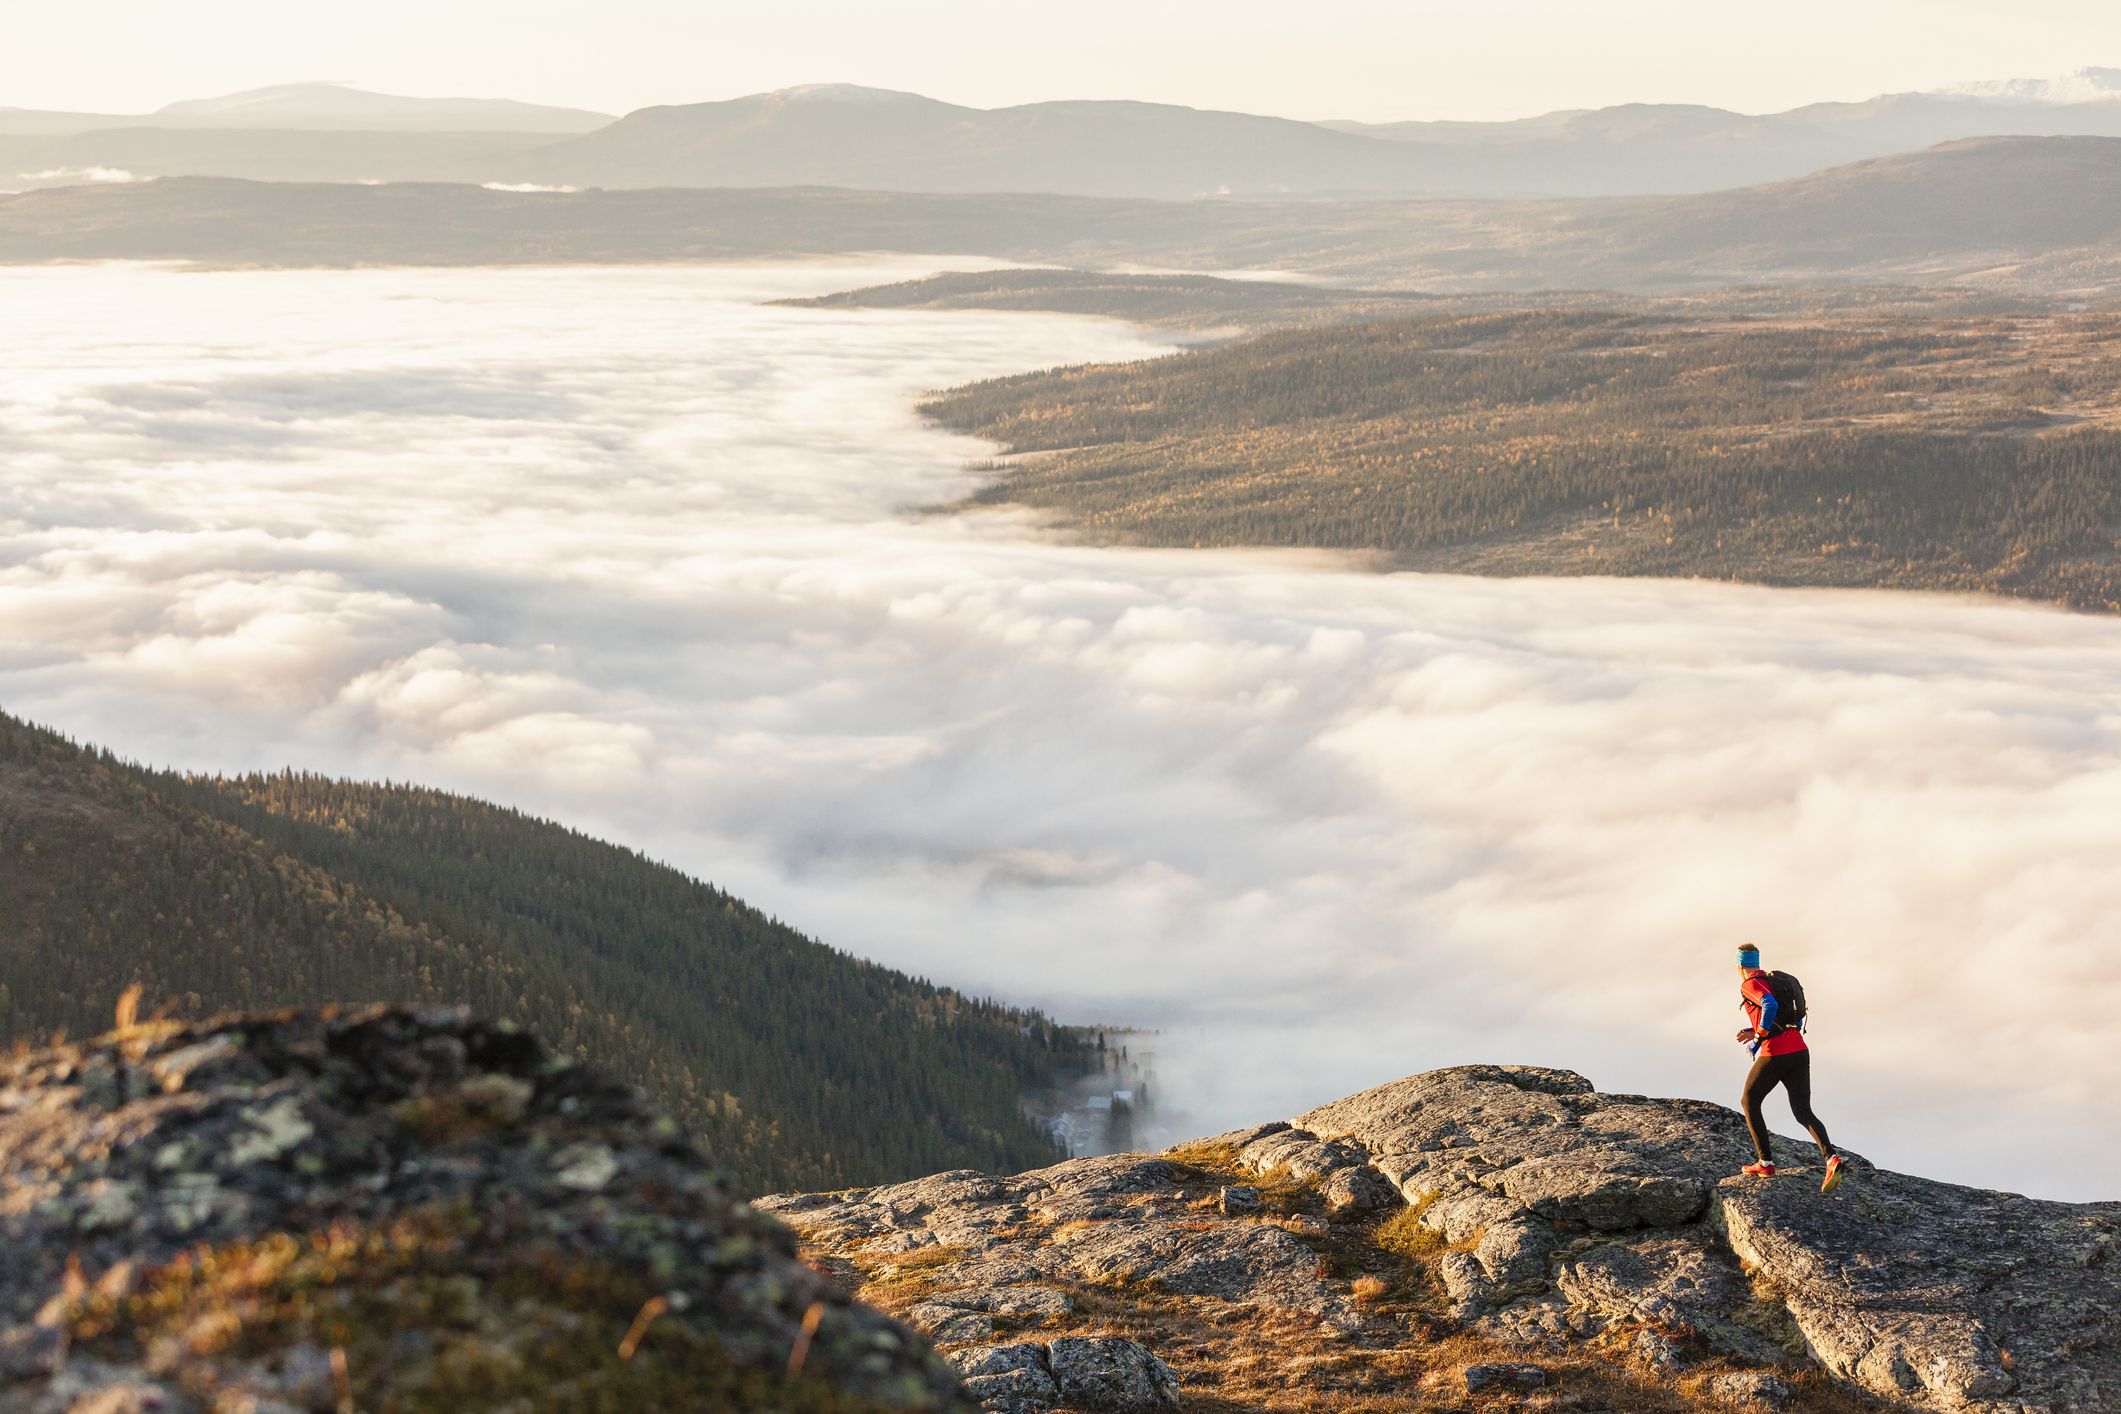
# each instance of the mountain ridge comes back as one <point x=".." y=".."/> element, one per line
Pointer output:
<point x="842" y="134"/>
<point x="325" y="105"/>
<point x="2023" y="216"/>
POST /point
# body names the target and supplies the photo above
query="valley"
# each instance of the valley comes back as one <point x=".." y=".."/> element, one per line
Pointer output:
<point x="647" y="551"/>
<point x="936" y="710"/>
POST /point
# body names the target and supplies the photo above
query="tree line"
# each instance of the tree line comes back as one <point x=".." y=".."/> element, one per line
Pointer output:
<point x="1956" y="454"/>
<point x="795" y="1065"/>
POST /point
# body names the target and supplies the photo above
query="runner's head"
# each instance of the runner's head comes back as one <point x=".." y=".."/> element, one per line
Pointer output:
<point x="1748" y="957"/>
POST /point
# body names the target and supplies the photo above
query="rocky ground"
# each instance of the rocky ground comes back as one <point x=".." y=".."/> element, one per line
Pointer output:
<point x="382" y="1210"/>
<point x="1490" y="1236"/>
<point x="397" y="1211"/>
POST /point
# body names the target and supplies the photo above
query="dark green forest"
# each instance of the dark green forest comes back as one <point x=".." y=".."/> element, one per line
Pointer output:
<point x="796" y="1065"/>
<point x="1961" y="454"/>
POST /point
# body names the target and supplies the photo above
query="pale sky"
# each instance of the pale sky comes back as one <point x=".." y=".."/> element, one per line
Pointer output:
<point x="1376" y="60"/>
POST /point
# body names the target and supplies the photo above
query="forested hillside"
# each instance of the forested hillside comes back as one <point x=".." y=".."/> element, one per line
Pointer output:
<point x="1968" y="454"/>
<point x="795" y="1064"/>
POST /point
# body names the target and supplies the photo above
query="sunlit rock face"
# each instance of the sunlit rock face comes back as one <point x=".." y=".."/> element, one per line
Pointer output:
<point x="628" y="548"/>
<point x="1554" y="1235"/>
<point x="386" y="1209"/>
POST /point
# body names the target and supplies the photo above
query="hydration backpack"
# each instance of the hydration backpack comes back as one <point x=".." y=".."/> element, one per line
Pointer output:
<point x="1789" y="1001"/>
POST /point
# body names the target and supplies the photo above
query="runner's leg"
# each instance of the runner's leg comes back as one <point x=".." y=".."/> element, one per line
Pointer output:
<point x="1797" y="1084"/>
<point x="1758" y="1081"/>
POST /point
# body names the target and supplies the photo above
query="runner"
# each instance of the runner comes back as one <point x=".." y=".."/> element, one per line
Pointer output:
<point x="1774" y="1004"/>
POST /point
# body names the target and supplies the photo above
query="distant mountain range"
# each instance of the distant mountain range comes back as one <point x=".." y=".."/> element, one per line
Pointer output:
<point x="328" y="107"/>
<point x="1653" y="148"/>
<point x="2016" y="216"/>
<point x="879" y="140"/>
<point x="838" y="135"/>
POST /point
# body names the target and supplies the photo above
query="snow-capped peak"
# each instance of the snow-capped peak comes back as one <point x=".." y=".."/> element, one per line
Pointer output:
<point x="2090" y="85"/>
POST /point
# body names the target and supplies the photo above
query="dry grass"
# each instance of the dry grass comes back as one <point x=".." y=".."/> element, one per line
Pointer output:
<point x="1403" y="1235"/>
<point x="1208" y="1156"/>
<point x="907" y="1276"/>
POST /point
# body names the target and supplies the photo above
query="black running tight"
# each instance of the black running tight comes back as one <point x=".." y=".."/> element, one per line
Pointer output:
<point x="1793" y="1073"/>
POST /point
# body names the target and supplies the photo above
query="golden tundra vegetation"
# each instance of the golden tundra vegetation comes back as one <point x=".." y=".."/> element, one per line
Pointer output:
<point x="1408" y="1357"/>
<point x="1870" y="442"/>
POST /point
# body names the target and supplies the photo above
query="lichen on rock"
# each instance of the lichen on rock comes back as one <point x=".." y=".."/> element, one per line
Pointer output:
<point x="380" y="1208"/>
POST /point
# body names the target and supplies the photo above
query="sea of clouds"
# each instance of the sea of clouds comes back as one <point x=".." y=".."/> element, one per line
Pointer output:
<point x="628" y="549"/>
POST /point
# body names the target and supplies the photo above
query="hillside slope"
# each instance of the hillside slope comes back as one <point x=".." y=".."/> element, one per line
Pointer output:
<point x="1496" y="1237"/>
<point x="802" y="1064"/>
<point x="1866" y="451"/>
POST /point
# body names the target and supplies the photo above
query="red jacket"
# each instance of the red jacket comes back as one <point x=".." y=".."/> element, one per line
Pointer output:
<point x="1751" y="993"/>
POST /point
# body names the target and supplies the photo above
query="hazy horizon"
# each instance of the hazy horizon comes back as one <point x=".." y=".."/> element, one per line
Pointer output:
<point x="1353" y="59"/>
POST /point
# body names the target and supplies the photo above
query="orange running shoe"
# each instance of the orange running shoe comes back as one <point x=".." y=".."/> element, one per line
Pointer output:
<point x="1760" y="1170"/>
<point x="1833" y="1175"/>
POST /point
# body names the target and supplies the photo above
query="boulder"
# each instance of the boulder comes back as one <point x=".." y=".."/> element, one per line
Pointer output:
<point x="949" y="1324"/>
<point x="1105" y="1375"/>
<point x="446" y="1198"/>
<point x="1007" y="1379"/>
<point x="1480" y="1378"/>
<point x="1111" y="1376"/>
<point x="1751" y="1390"/>
<point x="1357" y="1190"/>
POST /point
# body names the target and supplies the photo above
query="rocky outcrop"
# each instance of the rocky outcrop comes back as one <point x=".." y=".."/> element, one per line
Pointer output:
<point x="1919" y="1292"/>
<point x="382" y="1209"/>
<point x="1114" y="1220"/>
<point x="1110" y="1376"/>
<point x="388" y="1209"/>
<point x="1548" y="1223"/>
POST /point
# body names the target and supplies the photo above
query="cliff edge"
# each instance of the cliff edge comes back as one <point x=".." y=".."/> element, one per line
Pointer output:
<point x="1494" y="1236"/>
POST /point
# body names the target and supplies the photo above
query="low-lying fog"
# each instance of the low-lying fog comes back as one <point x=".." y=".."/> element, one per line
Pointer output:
<point x="624" y="548"/>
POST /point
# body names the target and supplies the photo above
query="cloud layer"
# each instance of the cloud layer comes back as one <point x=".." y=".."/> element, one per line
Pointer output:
<point x="625" y="548"/>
